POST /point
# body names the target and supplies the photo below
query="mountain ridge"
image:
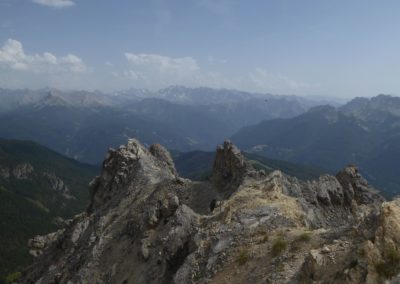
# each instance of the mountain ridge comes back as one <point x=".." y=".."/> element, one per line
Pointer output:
<point x="65" y="121"/>
<point x="328" y="137"/>
<point x="144" y="224"/>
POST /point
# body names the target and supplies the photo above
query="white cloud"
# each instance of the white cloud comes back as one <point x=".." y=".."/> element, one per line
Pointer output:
<point x="55" y="3"/>
<point x="157" y="71"/>
<point x="163" y="64"/>
<point x="13" y="56"/>
<point x="132" y="75"/>
<point x="273" y="82"/>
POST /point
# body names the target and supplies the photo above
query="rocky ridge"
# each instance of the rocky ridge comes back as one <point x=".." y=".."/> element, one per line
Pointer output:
<point x="145" y="224"/>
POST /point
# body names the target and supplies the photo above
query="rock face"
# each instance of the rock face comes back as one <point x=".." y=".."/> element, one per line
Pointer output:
<point x="145" y="224"/>
<point x="230" y="168"/>
<point x="58" y="185"/>
<point x="23" y="171"/>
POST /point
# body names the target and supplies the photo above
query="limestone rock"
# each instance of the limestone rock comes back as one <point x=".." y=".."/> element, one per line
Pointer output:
<point x="23" y="171"/>
<point x="58" y="185"/>
<point x="355" y="186"/>
<point x="144" y="224"/>
<point x="230" y="167"/>
<point x="39" y="243"/>
<point x="164" y="156"/>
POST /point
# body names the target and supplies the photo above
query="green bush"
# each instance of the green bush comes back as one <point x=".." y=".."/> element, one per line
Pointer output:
<point x="279" y="246"/>
<point x="243" y="257"/>
<point x="304" y="237"/>
<point x="12" y="277"/>
<point x="390" y="265"/>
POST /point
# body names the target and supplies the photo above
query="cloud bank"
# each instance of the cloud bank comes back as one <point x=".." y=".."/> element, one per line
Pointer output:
<point x="13" y="56"/>
<point x="19" y="68"/>
<point x="163" y="64"/>
<point x="55" y="3"/>
<point x="155" y="71"/>
<point x="273" y="82"/>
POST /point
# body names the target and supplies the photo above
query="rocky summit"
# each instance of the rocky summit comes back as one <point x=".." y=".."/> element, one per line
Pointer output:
<point x="145" y="224"/>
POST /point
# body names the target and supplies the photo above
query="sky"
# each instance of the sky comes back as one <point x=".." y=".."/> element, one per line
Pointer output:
<point x="340" y="48"/>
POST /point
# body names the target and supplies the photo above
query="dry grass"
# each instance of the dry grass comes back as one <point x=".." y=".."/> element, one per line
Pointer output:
<point x="243" y="257"/>
<point x="279" y="246"/>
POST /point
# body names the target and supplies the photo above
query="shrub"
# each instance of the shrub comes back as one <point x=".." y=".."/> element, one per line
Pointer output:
<point x="280" y="267"/>
<point x="390" y="266"/>
<point x="278" y="246"/>
<point x="304" y="237"/>
<point x="12" y="277"/>
<point x="243" y="257"/>
<point x="299" y="240"/>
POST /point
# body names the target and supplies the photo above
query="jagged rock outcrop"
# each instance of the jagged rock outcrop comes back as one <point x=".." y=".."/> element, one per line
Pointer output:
<point x="357" y="187"/>
<point x="145" y="224"/>
<point x="163" y="156"/>
<point x="39" y="243"/>
<point x="23" y="171"/>
<point x="230" y="168"/>
<point x="58" y="185"/>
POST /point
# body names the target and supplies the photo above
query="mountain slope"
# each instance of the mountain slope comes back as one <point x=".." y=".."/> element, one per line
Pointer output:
<point x="37" y="187"/>
<point x="363" y="132"/>
<point x="84" y="133"/>
<point x="145" y="224"/>
<point x="321" y="137"/>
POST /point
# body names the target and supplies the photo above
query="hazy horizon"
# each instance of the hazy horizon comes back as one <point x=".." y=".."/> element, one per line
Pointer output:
<point x="340" y="49"/>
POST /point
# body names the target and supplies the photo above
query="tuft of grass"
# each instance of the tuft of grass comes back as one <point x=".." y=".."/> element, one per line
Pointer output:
<point x="390" y="266"/>
<point x="280" y="267"/>
<point x="304" y="237"/>
<point x="300" y="240"/>
<point x="13" y="277"/>
<point x="243" y="257"/>
<point x="279" y="246"/>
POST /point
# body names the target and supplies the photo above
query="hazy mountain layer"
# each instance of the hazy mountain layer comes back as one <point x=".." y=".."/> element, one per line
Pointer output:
<point x="365" y="132"/>
<point x="83" y="125"/>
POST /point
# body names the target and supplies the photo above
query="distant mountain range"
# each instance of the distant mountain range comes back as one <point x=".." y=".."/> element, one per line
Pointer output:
<point x="83" y="125"/>
<point x="364" y="131"/>
<point x="38" y="189"/>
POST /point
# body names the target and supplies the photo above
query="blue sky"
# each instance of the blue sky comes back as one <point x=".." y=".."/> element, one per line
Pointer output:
<point x="342" y="48"/>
